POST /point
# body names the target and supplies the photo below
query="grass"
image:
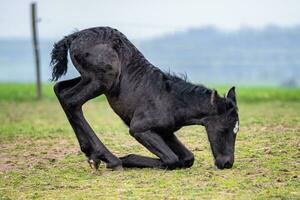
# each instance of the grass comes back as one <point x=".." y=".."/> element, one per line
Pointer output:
<point x="40" y="157"/>
<point x="26" y="92"/>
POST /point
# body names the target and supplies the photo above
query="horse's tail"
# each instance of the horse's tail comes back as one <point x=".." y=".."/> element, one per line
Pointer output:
<point x="59" y="57"/>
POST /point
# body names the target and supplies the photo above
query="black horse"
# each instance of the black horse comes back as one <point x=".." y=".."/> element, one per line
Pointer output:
<point x="153" y="104"/>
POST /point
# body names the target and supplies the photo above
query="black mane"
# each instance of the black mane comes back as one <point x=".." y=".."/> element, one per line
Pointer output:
<point x="184" y="86"/>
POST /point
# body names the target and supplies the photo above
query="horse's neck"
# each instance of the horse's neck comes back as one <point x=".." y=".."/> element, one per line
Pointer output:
<point x="197" y="107"/>
<point x="197" y="101"/>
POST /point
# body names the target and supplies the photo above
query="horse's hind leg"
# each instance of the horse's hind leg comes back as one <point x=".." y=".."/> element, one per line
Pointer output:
<point x="72" y="100"/>
<point x="99" y="68"/>
<point x="60" y="88"/>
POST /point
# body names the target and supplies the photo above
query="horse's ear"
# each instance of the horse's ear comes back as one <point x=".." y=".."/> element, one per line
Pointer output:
<point x="231" y="94"/>
<point x="214" y="98"/>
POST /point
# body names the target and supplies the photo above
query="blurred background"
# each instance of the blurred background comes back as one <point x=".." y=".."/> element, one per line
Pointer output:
<point x="249" y="43"/>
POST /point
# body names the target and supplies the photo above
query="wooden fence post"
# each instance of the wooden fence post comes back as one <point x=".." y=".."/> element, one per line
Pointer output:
<point x="36" y="49"/>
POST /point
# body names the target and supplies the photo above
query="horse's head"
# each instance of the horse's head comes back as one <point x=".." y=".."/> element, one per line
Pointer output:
<point x="222" y="128"/>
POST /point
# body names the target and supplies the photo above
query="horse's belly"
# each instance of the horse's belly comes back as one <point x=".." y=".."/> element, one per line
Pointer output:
<point x="123" y="111"/>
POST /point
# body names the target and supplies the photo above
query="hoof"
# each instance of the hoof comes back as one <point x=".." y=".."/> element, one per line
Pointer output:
<point x="94" y="164"/>
<point x="116" y="167"/>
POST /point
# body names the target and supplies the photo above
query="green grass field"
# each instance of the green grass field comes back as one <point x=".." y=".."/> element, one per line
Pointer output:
<point x="40" y="157"/>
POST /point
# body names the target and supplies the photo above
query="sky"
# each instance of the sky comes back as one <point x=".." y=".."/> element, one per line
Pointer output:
<point x="141" y="19"/>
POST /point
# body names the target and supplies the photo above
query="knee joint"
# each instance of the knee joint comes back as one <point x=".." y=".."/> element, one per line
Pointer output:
<point x="171" y="163"/>
<point x="188" y="161"/>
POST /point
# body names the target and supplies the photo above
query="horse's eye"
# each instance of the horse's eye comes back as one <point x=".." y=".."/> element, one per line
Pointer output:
<point x="236" y="127"/>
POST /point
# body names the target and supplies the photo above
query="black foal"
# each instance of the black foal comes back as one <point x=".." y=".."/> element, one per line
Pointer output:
<point x="153" y="104"/>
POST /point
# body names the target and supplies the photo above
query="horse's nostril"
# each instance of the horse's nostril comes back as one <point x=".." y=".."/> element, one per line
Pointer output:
<point x="224" y="162"/>
<point x="227" y="165"/>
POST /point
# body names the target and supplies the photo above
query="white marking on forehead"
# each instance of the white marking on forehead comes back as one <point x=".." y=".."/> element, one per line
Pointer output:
<point x="236" y="127"/>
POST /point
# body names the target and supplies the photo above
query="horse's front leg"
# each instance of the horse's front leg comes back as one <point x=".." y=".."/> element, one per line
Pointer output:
<point x="72" y="95"/>
<point x="155" y="144"/>
<point x="138" y="161"/>
<point x="186" y="157"/>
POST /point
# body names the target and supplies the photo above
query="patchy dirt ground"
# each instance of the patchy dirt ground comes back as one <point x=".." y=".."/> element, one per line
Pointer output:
<point x="40" y="158"/>
<point x="26" y="153"/>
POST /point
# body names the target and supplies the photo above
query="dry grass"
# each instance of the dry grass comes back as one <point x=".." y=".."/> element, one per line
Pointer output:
<point x="40" y="157"/>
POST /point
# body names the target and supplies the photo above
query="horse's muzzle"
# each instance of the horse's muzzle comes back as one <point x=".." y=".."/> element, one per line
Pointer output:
<point x="224" y="162"/>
